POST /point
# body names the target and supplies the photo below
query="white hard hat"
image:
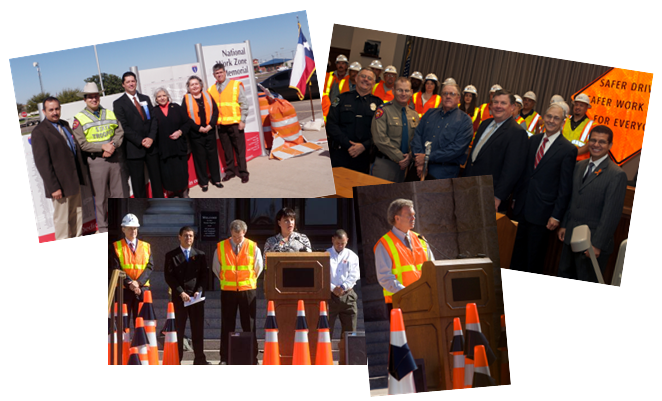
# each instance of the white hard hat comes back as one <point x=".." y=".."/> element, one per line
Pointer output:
<point x="417" y="75"/>
<point x="530" y="95"/>
<point x="130" y="220"/>
<point x="584" y="99"/>
<point x="495" y="88"/>
<point x="556" y="99"/>
<point x="355" y="66"/>
<point x="391" y="69"/>
<point x="341" y="58"/>
<point x="431" y="77"/>
<point x="449" y="81"/>
<point x="471" y="89"/>
<point x="518" y="99"/>
<point x="376" y="64"/>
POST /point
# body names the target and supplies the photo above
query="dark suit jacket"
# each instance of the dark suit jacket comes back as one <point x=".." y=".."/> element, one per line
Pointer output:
<point x="502" y="156"/>
<point x="544" y="192"/>
<point x="135" y="129"/>
<point x="597" y="202"/>
<point x="183" y="276"/>
<point x="55" y="161"/>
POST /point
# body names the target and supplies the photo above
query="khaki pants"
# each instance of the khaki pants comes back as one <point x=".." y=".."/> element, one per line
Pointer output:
<point x="108" y="181"/>
<point x="68" y="216"/>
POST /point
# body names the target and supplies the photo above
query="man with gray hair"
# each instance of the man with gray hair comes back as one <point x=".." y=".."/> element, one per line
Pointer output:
<point x="542" y="194"/>
<point x="237" y="264"/>
<point x="449" y="131"/>
<point x="344" y="275"/>
<point x="400" y="253"/>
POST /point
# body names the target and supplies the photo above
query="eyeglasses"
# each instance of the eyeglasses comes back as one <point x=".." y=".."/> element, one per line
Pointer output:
<point x="451" y="94"/>
<point x="553" y="118"/>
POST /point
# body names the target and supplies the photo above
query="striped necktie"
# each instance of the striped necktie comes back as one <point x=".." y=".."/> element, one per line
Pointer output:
<point x="541" y="152"/>
<point x="589" y="171"/>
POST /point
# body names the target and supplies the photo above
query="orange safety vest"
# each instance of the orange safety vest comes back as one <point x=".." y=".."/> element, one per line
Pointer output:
<point x="229" y="111"/>
<point x="193" y="110"/>
<point x="432" y="103"/>
<point x="237" y="271"/>
<point x="485" y="112"/>
<point x="133" y="263"/>
<point x="331" y="78"/>
<point x="406" y="264"/>
<point x="378" y="90"/>
<point x="578" y="137"/>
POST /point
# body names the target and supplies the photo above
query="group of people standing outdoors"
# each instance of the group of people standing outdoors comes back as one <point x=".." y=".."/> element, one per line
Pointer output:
<point x="109" y="147"/>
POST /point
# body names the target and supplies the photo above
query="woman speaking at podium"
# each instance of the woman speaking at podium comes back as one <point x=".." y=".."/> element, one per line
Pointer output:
<point x="286" y="239"/>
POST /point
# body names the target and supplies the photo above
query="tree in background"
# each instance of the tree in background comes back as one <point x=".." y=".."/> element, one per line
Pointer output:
<point x="112" y="84"/>
<point x="69" y="95"/>
<point x="20" y="107"/>
<point x="35" y="100"/>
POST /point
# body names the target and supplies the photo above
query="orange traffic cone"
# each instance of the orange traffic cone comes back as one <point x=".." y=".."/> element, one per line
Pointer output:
<point x="149" y="319"/>
<point x="457" y="350"/>
<point x="324" y="355"/>
<point x="482" y="376"/>
<point x="126" y="336"/>
<point x="134" y="359"/>
<point x="503" y="353"/>
<point x="140" y="341"/>
<point x="112" y="331"/>
<point x="170" y="350"/>
<point x="301" y="354"/>
<point x="271" y="349"/>
<point x="401" y="364"/>
<point x="474" y="337"/>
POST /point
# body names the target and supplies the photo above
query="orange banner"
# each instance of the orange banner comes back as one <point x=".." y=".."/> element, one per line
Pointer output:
<point x="619" y="100"/>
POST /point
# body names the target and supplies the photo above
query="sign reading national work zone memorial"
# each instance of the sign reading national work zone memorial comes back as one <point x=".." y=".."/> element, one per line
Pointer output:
<point x="619" y="100"/>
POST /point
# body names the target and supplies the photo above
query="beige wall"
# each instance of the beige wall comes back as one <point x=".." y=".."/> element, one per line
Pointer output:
<point x="391" y="48"/>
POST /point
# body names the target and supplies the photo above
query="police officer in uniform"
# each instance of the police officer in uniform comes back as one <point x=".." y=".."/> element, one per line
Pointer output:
<point x="100" y="135"/>
<point x="348" y="124"/>
<point x="392" y="131"/>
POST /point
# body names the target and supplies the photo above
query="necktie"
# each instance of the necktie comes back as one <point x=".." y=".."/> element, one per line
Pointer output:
<point x="541" y="152"/>
<point x="407" y="244"/>
<point x="404" y="145"/>
<point x="140" y="109"/>
<point x="589" y="171"/>
<point x="67" y="138"/>
<point x="133" y="247"/>
<point x="186" y="252"/>
<point x="486" y="135"/>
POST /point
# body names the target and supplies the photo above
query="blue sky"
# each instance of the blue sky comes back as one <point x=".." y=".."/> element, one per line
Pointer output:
<point x="270" y="37"/>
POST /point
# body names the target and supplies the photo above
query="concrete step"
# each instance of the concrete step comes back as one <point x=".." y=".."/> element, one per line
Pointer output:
<point x="378" y="382"/>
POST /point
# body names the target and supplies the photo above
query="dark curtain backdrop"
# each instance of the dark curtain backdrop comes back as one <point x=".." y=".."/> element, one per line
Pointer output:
<point x="516" y="72"/>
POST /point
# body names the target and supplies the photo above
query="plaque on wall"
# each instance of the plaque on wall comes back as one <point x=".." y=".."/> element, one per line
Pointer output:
<point x="209" y="226"/>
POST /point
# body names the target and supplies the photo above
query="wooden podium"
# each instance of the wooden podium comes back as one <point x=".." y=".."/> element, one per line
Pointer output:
<point x="430" y="304"/>
<point x="291" y="277"/>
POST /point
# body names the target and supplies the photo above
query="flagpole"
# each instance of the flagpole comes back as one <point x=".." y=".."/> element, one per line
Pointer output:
<point x="310" y="92"/>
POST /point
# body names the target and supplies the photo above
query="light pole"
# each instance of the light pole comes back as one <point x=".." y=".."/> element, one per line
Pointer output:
<point x="36" y="64"/>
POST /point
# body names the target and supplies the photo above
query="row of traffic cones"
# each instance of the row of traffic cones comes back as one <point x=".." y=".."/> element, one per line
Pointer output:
<point x="301" y="353"/>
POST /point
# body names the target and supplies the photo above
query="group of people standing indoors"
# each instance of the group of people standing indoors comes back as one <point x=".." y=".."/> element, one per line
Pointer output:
<point x="551" y="171"/>
<point x="237" y="263"/>
<point x="109" y="147"/>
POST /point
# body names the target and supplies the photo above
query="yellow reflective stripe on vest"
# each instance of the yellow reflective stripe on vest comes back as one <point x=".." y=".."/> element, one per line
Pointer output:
<point x="132" y="270"/>
<point x="578" y="136"/>
<point x="237" y="285"/>
<point x="534" y="121"/>
<point x="98" y="130"/>
<point x="329" y="81"/>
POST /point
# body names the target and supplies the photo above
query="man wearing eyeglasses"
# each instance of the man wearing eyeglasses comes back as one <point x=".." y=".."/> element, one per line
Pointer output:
<point x="543" y="192"/>
<point x="449" y="130"/>
<point x="392" y="131"/>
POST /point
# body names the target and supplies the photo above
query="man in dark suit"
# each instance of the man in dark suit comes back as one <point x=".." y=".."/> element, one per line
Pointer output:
<point x="598" y="192"/>
<point x="60" y="165"/>
<point x="542" y="194"/>
<point x="134" y="112"/>
<point x="499" y="148"/>
<point x="186" y="273"/>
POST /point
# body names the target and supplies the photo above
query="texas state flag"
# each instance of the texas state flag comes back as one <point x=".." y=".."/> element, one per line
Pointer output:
<point x="303" y="66"/>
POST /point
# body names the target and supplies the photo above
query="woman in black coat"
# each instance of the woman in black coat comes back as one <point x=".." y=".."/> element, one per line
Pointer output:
<point x="173" y="150"/>
<point x="203" y="112"/>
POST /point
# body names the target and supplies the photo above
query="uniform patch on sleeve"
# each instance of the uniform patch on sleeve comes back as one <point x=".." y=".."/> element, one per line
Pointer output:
<point x="76" y="123"/>
<point x="379" y="113"/>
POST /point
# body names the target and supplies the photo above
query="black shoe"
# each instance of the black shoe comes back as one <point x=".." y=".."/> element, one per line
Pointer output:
<point x="202" y="363"/>
<point x="228" y="177"/>
<point x="222" y="363"/>
<point x="218" y="185"/>
<point x="205" y="188"/>
<point x="244" y="180"/>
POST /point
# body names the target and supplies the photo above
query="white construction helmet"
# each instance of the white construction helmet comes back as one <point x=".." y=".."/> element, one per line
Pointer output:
<point x="556" y="99"/>
<point x="530" y="95"/>
<point x="431" y="77"/>
<point x="341" y="58"/>
<point x="582" y="97"/>
<point x="416" y="75"/>
<point x="376" y="64"/>
<point x="391" y="69"/>
<point x="130" y="220"/>
<point x="471" y="89"/>
<point x="355" y="66"/>
<point x="449" y="81"/>
<point x="495" y="88"/>
<point x="518" y="100"/>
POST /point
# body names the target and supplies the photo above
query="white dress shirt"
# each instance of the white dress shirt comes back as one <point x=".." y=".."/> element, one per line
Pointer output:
<point x="344" y="268"/>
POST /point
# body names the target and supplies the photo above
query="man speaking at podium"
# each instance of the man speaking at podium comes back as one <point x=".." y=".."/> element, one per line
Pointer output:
<point x="400" y="253"/>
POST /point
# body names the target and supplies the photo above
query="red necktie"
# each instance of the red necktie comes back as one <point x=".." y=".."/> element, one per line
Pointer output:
<point x="541" y="152"/>
<point x="140" y="109"/>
